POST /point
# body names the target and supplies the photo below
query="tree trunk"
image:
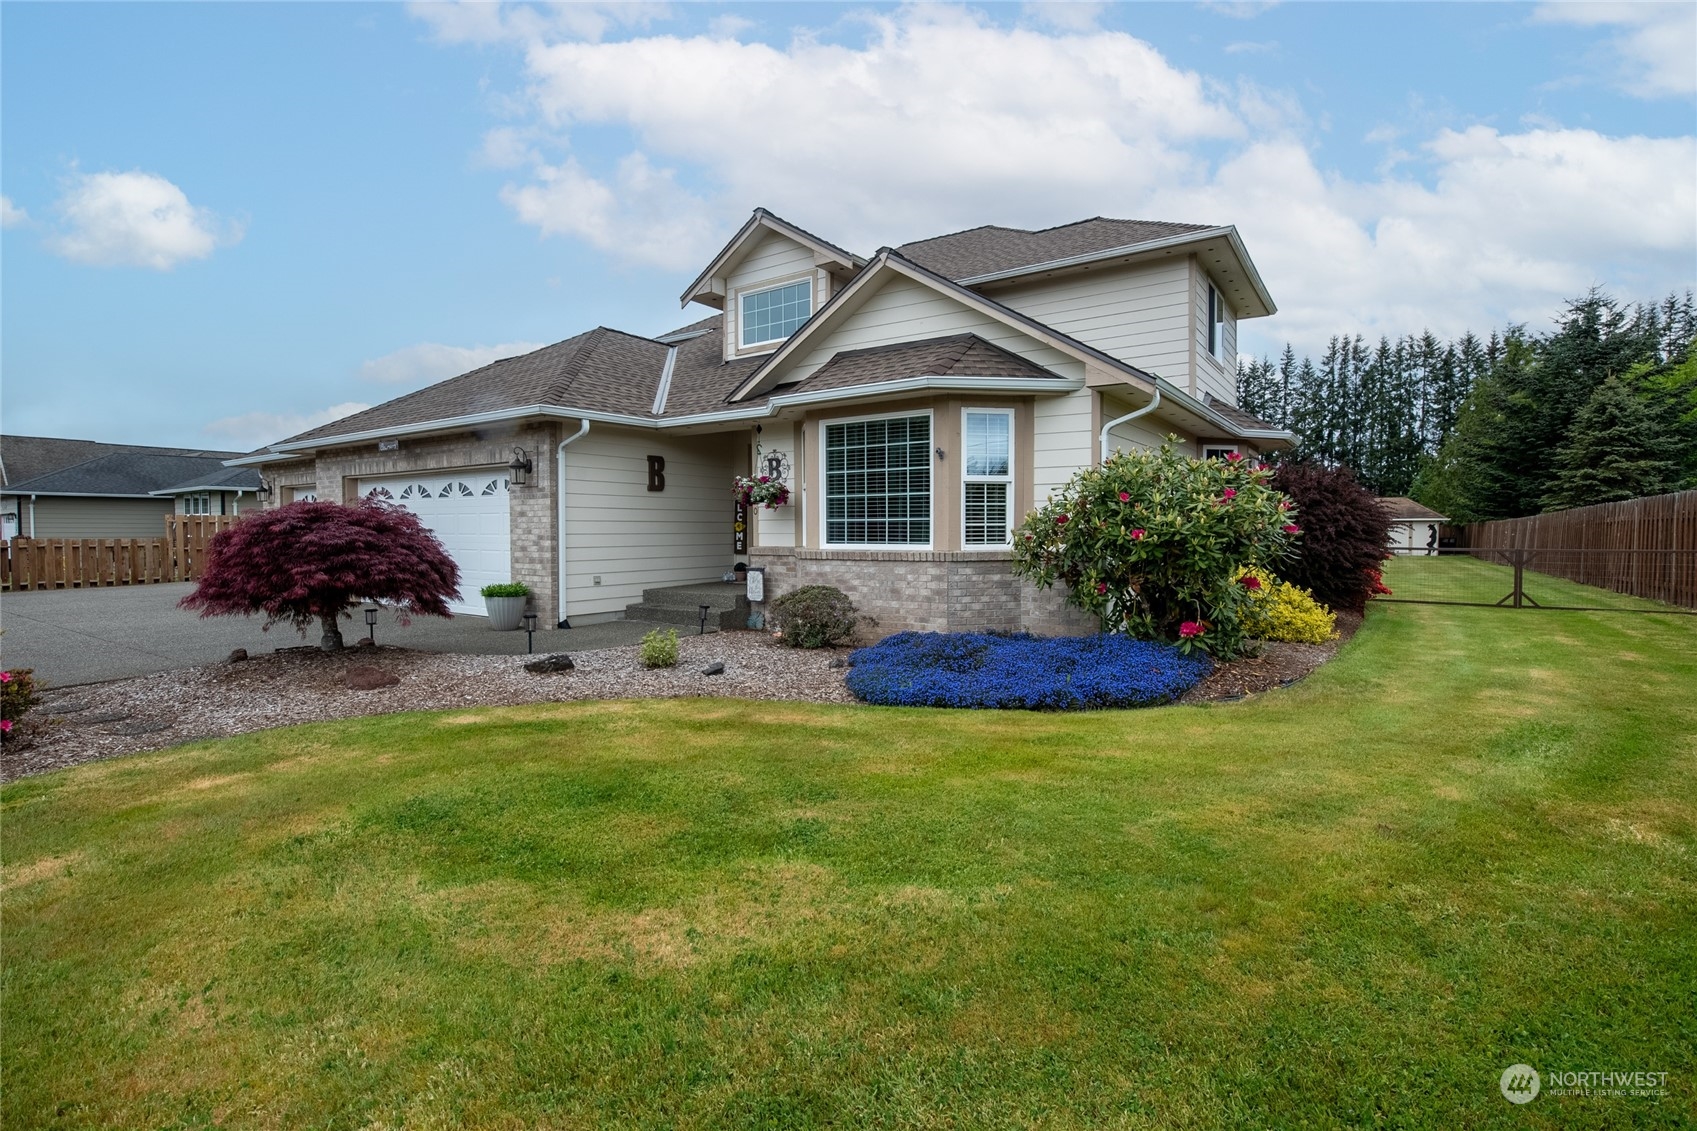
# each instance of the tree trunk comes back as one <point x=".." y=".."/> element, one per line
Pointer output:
<point x="331" y="641"/>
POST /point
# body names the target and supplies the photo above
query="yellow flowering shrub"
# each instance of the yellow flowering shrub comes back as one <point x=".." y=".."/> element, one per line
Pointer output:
<point x="1279" y="610"/>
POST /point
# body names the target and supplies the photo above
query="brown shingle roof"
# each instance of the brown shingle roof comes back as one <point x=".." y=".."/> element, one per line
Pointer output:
<point x="986" y="250"/>
<point x="1237" y="416"/>
<point x="958" y="355"/>
<point x="1404" y="509"/>
<point x="605" y="370"/>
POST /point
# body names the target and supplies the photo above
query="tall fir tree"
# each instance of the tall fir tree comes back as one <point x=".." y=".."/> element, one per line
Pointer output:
<point x="1620" y="449"/>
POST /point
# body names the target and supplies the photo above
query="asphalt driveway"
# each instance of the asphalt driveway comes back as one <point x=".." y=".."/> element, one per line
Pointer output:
<point x="74" y="636"/>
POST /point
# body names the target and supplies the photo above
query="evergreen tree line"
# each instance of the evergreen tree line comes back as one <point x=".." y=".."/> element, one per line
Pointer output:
<point x="1600" y="408"/>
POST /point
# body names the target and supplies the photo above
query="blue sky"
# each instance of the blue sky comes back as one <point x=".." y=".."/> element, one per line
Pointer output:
<point x="227" y="222"/>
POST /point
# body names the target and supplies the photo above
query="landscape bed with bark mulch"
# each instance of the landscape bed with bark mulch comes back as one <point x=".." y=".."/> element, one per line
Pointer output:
<point x="92" y="722"/>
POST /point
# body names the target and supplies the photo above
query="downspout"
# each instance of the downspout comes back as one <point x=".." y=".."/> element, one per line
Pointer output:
<point x="1133" y="415"/>
<point x="560" y="514"/>
<point x="32" y="516"/>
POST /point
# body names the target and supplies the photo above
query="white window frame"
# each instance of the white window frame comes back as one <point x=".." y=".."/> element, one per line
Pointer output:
<point x="1216" y="323"/>
<point x="746" y="293"/>
<point x="198" y="499"/>
<point x="1219" y="451"/>
<point x="1007" y="479"/>
<point x="824" y="485"/>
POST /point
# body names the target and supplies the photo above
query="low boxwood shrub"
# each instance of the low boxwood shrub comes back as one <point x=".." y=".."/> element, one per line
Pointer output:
<point x="1278" y="610"/>
<point x="1020" y="671"/>
<point x="505" y="589"/>
<point x="660" y="648"/>
<point x="814" y="616"/>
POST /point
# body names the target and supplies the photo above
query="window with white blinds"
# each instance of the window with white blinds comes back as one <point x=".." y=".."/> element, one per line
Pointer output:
<point x="878" y="482"/>
<point x="987" y="477"/>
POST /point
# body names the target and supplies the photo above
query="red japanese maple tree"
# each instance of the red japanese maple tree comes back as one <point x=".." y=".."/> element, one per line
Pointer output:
<point x="315" y="561"/>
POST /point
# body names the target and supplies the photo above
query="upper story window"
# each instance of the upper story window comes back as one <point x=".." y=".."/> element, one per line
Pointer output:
<point x="987" y="477"/>
<point x="1216" y="323"/>
<point x="878" y="482"/>
<point x="775" y="313"/>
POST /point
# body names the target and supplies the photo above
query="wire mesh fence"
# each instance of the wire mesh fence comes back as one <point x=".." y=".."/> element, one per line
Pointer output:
<point x="1612" y="580"/>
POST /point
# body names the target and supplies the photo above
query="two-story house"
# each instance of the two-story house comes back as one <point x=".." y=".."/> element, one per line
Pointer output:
<point x="918" y="403"/>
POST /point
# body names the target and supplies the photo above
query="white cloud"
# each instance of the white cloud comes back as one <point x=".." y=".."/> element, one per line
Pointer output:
<point x="1251" y="47"/>
<point x="10" y="214"/>
<point x="1240" y="9"/>
<point x="1656" y="44"/>
<point x="1067" y="15"/>
<point x="892" y="139"/>
<point x="256" y="429"/>
<point x="478" y="21"/>
<point x="429" y="362"/>
<point x="135" y="219"/>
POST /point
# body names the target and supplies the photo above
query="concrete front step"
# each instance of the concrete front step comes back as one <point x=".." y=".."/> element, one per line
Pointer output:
<point x="727" y="606"/>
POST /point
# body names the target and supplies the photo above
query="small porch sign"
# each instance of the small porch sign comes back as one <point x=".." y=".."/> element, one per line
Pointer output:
<point x="739" y="525"/>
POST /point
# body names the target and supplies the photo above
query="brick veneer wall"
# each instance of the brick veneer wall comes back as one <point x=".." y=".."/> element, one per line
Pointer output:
<point x="926" y="591"/>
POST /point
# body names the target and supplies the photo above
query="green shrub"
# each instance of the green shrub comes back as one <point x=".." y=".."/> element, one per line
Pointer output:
<point x="660" y="648"/>
<point x="17" y="696"/>
<point x="1278" y="610"/>
<point x="505" y="589"/>
<point x="814" y="616"/>
<point x="1151" y="542"/>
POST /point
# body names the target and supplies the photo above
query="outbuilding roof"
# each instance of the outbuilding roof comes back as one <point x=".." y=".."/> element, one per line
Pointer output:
<point x="1403" y="509"/>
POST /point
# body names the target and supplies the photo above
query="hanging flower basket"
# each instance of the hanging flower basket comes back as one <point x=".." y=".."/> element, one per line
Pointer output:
<point x="768" y="492"/>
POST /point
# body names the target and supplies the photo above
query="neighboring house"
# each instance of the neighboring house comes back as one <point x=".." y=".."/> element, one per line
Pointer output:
<point x="55" y="488"/>
<point x="919" y="402"/>
<point x="1415" y="529"/>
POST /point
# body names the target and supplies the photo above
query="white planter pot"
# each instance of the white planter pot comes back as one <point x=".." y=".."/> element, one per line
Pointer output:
<point x="505" y="613"/>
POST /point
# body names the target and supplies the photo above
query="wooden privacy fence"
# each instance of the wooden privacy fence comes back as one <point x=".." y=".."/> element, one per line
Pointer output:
<point x="1643" y="547"/>
<point x="83" y="563"/>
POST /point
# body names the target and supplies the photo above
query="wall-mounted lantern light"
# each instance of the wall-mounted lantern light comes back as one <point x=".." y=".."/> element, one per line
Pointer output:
<point x="520" y="468"/>
<point x="264" y="491"/>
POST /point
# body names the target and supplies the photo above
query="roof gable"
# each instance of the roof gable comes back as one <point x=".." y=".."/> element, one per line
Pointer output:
<point x="709" y="287"/>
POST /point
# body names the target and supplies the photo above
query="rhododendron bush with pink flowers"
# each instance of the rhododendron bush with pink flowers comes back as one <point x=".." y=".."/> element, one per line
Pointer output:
<point x="1152" y="542"/>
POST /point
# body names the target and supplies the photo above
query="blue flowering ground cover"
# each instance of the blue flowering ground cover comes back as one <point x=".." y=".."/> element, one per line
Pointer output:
<point x="1018" y="671"/>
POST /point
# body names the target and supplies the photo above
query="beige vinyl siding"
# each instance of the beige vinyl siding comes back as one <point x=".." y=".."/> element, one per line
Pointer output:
<point x="57" y="517"/>
<point x="1213" y="375"/>
<point x="905" y="311"/>
<point x="773" y="259"/>
<point x="1061" y="441"/>
<point x="634" y="538"/>
<point x="1138" y="314"/>
<point x="777" y="527"/>
<point x="1144" y="432"/>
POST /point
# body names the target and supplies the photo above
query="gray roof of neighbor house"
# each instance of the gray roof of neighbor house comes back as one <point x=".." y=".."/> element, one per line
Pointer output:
<point x="224" y="479"/>
<point x="992" y="249"/>
<point x="124" y="473"/>
<point x="965" y="355"/>
<point x="1403" y="509"/>
<point x="23" y="458"/>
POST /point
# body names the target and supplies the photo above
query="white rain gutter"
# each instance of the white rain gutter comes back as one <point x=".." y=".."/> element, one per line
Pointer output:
<point x="560" y="516"/>
<point x="1130" y="416"/>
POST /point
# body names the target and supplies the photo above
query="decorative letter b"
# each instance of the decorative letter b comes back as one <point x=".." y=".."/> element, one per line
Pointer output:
<point x="656" y="473"/>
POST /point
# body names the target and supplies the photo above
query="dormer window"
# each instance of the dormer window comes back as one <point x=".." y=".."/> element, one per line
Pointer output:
<point x="773" y="314"/>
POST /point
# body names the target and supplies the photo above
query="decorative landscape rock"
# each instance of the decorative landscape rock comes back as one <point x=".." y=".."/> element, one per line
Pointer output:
<point x="365" y="678"/>
<point x="238" y="655"/>
<point x="559" y="662"/>
<point x="717" y="667"/>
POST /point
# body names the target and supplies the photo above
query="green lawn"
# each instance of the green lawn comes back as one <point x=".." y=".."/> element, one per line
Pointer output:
<point x="1469" y="841"/>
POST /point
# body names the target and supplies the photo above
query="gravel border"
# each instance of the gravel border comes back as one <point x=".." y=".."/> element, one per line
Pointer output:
<point x="93" y="722"/>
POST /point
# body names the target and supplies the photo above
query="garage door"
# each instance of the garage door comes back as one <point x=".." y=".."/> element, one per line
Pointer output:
<point x="467" y="510"/>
